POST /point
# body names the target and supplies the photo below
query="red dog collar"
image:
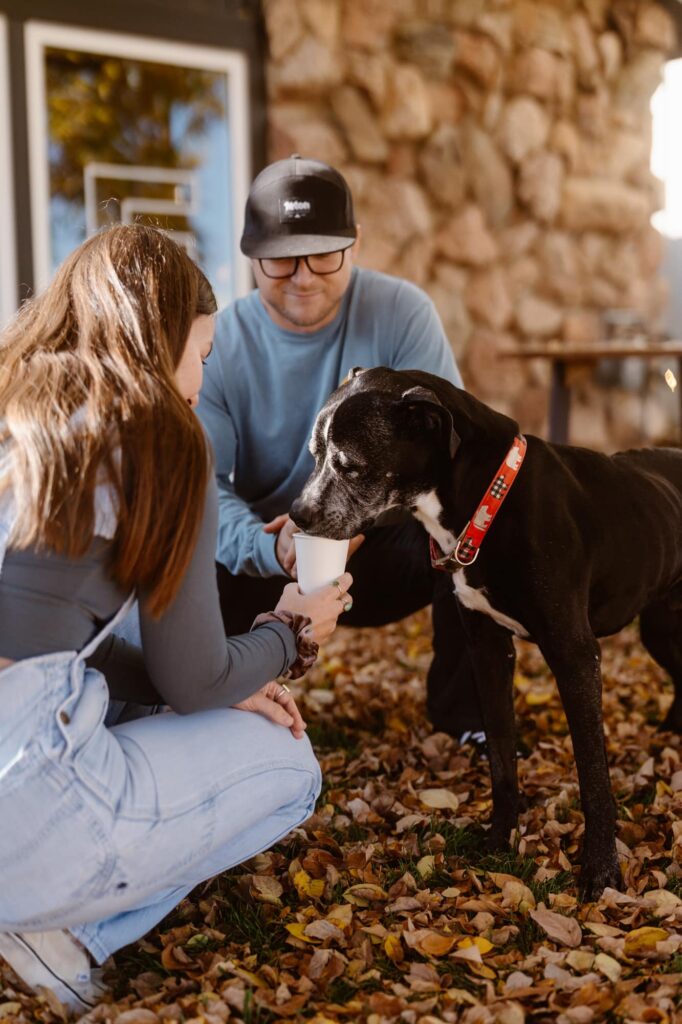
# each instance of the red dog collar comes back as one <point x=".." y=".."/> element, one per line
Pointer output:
<point x="470" y="539"/>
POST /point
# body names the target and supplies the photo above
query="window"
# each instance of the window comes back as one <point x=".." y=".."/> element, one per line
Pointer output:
<point x="124" y="128"/>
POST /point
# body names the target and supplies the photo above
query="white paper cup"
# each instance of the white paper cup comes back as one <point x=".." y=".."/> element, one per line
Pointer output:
<point x="319" y="561"/>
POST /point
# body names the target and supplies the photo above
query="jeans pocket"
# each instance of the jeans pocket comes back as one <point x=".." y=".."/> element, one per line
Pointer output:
<point x="55" y="850"/>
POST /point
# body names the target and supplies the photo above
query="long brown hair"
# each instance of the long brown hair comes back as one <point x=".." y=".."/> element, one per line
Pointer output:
<point x="88" y="396"/>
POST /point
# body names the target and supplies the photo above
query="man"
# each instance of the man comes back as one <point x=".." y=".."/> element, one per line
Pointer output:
<point x="278" y="355"/>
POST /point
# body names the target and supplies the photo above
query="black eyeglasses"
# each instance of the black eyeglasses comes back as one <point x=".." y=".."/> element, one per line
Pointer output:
<point x="319" y="263"/>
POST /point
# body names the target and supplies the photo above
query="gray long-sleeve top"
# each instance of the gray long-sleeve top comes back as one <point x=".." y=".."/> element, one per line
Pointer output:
<point x="51" y="603"/>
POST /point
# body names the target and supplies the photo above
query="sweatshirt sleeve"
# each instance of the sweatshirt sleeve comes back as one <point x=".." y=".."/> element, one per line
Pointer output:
<point x="420" y="342"/>
<point x="189" y="662"/>
<point x="242" y="545"/>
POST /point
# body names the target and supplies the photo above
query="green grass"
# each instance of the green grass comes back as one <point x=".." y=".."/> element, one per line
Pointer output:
<point x="325" y="737"/>
<point x="250" y="923"/>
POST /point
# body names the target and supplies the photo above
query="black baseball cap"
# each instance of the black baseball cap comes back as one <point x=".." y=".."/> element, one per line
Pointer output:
<point x="297" y="207"/>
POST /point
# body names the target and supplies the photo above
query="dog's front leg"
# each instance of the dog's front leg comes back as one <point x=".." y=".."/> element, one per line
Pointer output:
<point x="493" y="658"/>
<point x="575" y="661"/>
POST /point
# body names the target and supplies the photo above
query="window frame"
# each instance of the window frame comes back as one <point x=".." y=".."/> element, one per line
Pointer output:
<point x="39" y="34"/>
<point x="8" y="261"/>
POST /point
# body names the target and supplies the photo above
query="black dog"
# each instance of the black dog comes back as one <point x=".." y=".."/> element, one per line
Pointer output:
<point x="583" y="543"/>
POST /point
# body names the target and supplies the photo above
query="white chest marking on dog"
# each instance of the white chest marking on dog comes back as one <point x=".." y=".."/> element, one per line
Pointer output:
<point x="428" y="512"/>
<point x="476" y="601"/>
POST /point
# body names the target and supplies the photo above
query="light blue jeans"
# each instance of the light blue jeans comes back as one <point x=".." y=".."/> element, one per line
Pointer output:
<point x="104" y="830"/>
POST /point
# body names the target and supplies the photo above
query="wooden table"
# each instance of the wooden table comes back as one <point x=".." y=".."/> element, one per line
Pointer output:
<point x="564" y="356"/>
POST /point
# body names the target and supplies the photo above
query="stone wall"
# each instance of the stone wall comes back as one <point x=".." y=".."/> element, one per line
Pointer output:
<point x="498" y="153"/>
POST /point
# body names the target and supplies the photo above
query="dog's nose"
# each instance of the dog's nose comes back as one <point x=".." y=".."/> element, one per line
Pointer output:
<point x="301" y="515"/>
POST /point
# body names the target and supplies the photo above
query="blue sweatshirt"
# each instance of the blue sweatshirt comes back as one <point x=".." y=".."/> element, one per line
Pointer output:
<point x="263" y="387"/>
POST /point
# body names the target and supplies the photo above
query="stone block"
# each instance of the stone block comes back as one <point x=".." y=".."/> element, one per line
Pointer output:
<point x="488" y="173"/>
<point x="369" y="71"/>
<point x="367" y="24"/>
<point x="593" y="113"/>
<point x="499" y="25"/>
<point x="396" y="210"/>
<point x="542" y="25"/>
<point x="402" y="160"/>
<point x="594" y="204"/>
<point x="415" y="260"/>
<point x="488" y="299"/>
<point x="635" y="85"/>
<point x="360" y="124"/>
<point x="524" y="128"/>
<point x="310" y="69"/>
<point x="565" y="141"/>
<point x="477" y="56"/>
<point x="454" y="314"/>
<point x="523" y="274"/>
<point x="427" y="44"/>
<point x="302" y="128"/>
<point x="654" y="26"/>
<point x="533" y="72"/>
<point x="323" y="18"/>
<point x="447" y="101"/>
<point x="582" y="327"/>
<point x="536" y="317"/>
<point x="563" y="267"/>
<point x="440" y="164"/>
<point x="585" y="51"/>
<point x="283" y="25"/>
<point x="611" y="54"/>
<point x="486" y="373"/>
<point x="541" y="177"/>
<point x="466" y="239"/>
<point x="407" y="109"/>
<point x="518" y="239"/>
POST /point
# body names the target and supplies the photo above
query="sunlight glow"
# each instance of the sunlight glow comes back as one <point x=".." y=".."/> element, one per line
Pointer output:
<point x="666" y="151"/>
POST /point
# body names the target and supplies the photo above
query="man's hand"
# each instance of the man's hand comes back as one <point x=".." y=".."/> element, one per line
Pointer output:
<point x="285" y="528"/>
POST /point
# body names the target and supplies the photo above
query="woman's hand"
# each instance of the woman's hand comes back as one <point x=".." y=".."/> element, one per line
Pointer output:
<point x="275" y="703"/>
<point x="322" y="607"/>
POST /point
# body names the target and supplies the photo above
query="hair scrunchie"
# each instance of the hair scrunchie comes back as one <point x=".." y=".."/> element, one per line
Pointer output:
<point x="306" y="647"/>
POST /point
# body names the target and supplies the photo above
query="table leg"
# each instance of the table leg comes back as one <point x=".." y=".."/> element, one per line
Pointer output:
<point x="559" y="404"/>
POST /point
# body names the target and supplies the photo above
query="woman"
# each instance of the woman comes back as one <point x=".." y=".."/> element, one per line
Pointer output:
<point x="106" y="495"/>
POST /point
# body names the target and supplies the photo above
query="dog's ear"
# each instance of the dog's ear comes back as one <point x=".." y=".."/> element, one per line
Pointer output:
<point x="355" y="371"/>
<point x="433" y="413"/>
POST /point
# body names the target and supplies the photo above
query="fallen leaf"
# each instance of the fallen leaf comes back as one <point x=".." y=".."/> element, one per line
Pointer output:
<point x="426" y="866"/>
<point x="307" y="886"/>
<point x="439" y="799"/>
<point x="429" y="942"/>
<point x="608" y="966"/>
<point x="266" y="889"/>
<point x="393" y="948"/>
<point x="364" y="892"/>
<point x="643" y="940"/>
<point x="297" y="929"/>
<point x="476" y="940"/>
<point x="565" y="930"/>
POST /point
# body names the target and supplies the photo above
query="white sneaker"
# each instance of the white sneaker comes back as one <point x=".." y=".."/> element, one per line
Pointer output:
<point x="56" y="961"/>
<point x="475" y="739"/>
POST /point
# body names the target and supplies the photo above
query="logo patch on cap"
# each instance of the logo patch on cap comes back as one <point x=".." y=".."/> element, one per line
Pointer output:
<point x="295" y="209"/>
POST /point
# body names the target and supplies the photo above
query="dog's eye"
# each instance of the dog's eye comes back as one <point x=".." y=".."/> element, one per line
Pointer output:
<point x="348" y="469"/>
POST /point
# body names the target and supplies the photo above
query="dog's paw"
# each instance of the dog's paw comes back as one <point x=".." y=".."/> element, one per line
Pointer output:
<point x="595" y="876"/>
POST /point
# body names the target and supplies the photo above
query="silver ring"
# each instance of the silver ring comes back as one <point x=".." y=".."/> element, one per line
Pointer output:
<point x="283" y="690"/>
